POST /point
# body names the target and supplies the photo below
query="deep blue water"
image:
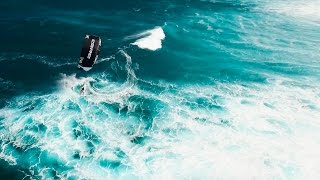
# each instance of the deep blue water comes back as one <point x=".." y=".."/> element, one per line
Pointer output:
<point x="193" y="89"/>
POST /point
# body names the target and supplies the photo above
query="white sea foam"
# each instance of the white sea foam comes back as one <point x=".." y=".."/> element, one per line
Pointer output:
<point x="224" y="131"/>
<point x="105" y="59"/>
<point x="299" y="9"/>
<point x="151" y="39"/>
<point x="219" y="131"/>
<point x="202" y="22"/>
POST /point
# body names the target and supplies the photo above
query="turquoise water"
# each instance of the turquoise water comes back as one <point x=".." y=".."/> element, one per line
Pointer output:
<point x="182" y="90"/>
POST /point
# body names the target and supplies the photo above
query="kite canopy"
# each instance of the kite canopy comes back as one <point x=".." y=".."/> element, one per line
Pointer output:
<point x="90" y="51"/>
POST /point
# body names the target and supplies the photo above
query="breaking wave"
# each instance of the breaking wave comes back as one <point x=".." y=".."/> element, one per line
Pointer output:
<point x="151" y="39"/>
<point x="98" y="135"/>
<point x="233" y="94"/>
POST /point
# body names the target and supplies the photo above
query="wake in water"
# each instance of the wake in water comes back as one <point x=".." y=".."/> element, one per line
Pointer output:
<point x="159" y="130"/>
<point x="233" y="93"/>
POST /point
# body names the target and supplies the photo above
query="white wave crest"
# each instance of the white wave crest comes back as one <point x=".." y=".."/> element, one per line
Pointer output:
<point x="152" y="39"/>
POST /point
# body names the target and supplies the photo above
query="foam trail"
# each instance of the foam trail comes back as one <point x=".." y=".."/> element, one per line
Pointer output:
<point x="152" y="40"/>
<point x="105" y="59"/>
<point x="113" y="92"/>
<point x="225" y="125"/>
<point x="131" y="75"/>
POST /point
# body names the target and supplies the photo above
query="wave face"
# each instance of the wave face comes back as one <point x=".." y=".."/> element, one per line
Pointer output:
<point x="181" y="90"/>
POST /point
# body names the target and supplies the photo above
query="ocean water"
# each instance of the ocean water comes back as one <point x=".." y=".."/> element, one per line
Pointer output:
<point x="183" y="89"/>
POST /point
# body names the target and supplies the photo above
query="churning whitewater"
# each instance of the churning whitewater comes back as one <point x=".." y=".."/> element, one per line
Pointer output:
<point x="181" y="90"/>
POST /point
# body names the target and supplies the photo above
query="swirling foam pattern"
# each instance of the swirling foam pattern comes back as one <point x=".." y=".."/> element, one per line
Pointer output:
<point x="182" y="90"/>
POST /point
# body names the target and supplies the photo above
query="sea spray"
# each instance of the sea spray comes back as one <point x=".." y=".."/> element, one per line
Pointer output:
<point x="152" y="40"/>
<point x="233" y="93"/>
